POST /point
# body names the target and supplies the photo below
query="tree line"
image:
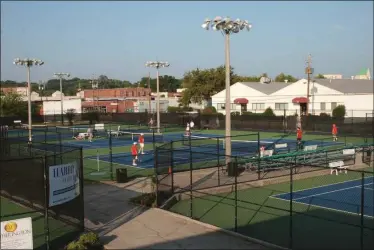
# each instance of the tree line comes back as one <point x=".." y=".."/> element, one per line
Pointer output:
<point x="199" y="84"/>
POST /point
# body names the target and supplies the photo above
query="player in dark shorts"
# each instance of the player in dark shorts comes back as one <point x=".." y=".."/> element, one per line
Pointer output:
<point x="299" y="137"/>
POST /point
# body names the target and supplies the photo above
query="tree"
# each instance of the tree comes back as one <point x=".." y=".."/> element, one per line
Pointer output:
<point x="12" y="104"/>
<point x="320" y="76"/>
<point x="339" y="111"/>
<point x="282" y="77"/>
<point x="70" y="115"/>
<point x="167" y="83"/>
<point x="202" y="84"/>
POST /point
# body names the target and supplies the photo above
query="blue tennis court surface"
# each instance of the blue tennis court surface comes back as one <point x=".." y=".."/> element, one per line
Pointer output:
<point x="343" y="197"/>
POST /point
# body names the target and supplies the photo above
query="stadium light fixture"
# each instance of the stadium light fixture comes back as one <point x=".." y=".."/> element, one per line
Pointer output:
<point x="227" y="26"/>
<point x="61" y="76"/>
<point x="157" y="65"/>
<point x="28" y="63"/>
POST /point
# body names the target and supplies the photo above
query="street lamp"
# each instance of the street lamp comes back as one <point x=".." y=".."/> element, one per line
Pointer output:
<point x="227" y="27"/>
<point x="61" y="76"/>
<point x="157" y="65"/>
<point x="28" y="63"/>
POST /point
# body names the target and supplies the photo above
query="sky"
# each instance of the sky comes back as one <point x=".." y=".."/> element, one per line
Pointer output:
<point x="116" y="38"/>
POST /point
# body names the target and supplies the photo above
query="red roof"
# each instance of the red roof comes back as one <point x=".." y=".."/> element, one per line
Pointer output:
<point x="300" y="100"/>
<point x="241" y="101"/>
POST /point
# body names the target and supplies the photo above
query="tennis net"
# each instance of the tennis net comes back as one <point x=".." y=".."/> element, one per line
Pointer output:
<point x="249" y="146"/>
<point x="124" y="135"/>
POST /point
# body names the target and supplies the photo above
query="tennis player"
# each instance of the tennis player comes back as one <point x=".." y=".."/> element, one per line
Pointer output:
<point x="334" y="133"/>
<point x="262" y="150"/>
<point x="134" y="153"/>
<point x="90" y="134"/>
<point x="192" y="124"/>
<point x="141" y="143"/>
<point x="150" y="123"/>
<point x="299" y="137"/>
<point x="188" y="132"/>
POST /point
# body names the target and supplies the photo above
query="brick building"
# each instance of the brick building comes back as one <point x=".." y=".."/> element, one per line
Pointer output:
<point x="109" y="105"/>
<point x="117" y="93"/>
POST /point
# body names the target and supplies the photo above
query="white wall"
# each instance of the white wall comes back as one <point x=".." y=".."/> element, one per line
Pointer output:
<point x="54" y="107"/>
<point x="238" y="90"/>
<point x="141" y="106"/>
<point x="361" y="104"/>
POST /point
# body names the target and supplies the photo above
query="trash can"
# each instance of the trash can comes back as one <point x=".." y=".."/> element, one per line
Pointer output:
<point x="232" y="169"/>
<point x="121" y="175"/>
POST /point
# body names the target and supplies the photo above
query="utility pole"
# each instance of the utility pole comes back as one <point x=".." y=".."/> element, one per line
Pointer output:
<point x="309" y="71"/>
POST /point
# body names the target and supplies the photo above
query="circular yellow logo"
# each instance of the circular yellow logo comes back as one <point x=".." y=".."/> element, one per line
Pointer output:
<point x="10" y="227"/>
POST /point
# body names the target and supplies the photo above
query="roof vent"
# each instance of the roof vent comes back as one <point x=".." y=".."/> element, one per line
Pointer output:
<point x="352" y="77"/>
<point x="286" y="81"/>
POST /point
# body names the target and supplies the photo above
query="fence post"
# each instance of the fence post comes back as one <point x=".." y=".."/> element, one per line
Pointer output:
<point x="46" y="201"/>
<point x="156" y="175"/>
<point x="236" y="193"/>
<point x="362" y="210"/>
<point x="172" y="166"/>
<point x="110" y="152"/>
<point x="258" y="155"/>
<point x="191" y="215"/>
<point x="291" y="204"/>
<point x="81" y="185"/>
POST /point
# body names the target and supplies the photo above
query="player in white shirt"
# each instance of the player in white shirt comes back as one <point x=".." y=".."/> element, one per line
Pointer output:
<point x="188" y="129"/>
<point x="192" y="124"/>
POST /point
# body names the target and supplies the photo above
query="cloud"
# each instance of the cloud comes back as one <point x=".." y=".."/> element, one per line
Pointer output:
<point x="338" y="27"/>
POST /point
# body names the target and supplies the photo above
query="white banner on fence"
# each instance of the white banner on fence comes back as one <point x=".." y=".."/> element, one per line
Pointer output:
<point x="17" y="234"/>
<point x="281" y="145"/>
<point x="63" y="183"/>
<point x="349" y="151"/>
<point x="310" y="147"/>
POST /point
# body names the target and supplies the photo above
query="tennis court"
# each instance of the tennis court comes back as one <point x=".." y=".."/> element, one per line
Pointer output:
<point x="205" y="150"/>
<point x="342" y="197"/>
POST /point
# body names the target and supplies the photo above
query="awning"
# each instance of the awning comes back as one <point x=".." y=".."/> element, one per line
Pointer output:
<point x="241" y="101"/>
<point x="300" y="100"/>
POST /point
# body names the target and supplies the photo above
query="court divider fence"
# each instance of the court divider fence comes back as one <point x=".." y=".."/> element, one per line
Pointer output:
<point x="28" y="189"/>
<point x="302" y="199"/>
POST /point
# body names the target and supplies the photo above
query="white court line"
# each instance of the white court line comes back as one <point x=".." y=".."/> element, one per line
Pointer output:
<point x="115" y="163"/>
<point x="329" y="192"/>
<point x="316" y="206"/>
<point x="372" y="189"/>
<point x="340" y="182"/>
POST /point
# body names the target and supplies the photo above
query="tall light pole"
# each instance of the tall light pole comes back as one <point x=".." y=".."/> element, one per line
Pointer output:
<point x="157" y="65"/>
<point x="95" y="85"/>
<point x="61" y="76"/>
<point x="28" y="63"/>
<point x="227" y="27"/>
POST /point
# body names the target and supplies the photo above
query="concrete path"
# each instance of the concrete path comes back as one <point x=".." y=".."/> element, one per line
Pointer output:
<point x="158" y="229"/>
<point x="122" y="225"/>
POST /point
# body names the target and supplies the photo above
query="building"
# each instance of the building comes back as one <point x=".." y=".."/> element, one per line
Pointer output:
<point x="53" y="107"/>
<point x="109" y="105"/>
<point x="333" y="76"/>
<point x="363" y="75"/>
<point x="142" y="106"/>
<point x="19" y="90"/>
<point x="115" y="93"/>
<point x="290" y="98"/>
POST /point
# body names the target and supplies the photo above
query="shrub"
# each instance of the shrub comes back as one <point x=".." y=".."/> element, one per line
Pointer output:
<point x="209" y="110"/>
<point x="339" y="111"/>
<point x="268" y="112"/>
<point x="86" y="241"/>
<point x="173" y="109"/>
<point x="324" y="115"/>
<point x="70" y="115"/>
<point x="235" y="113"/>
<point x="91" y="116"/>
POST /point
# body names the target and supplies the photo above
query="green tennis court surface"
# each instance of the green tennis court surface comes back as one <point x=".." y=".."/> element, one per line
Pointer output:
<point x="59" y="232"/>
<point x="261" y="216"/>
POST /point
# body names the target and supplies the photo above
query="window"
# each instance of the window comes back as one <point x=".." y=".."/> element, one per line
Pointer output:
<point x="333" y="105"/>
<point x="281" y="106"/>
<point x="258" y="106"/>
<point x="243" y="108"/>
<point x="222" y="105"/>
<point x="323" y="106"/>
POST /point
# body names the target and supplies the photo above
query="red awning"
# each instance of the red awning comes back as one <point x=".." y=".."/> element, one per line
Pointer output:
<point x="241" y="101"/>
<point x="300" y="100"/>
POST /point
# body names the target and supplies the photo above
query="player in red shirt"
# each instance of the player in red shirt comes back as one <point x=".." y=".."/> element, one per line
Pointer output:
<point x="141" y="143"/>
<point x="299" y="137"/>
<point x="334" y="132"/>
<point x="134" y="153"/>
